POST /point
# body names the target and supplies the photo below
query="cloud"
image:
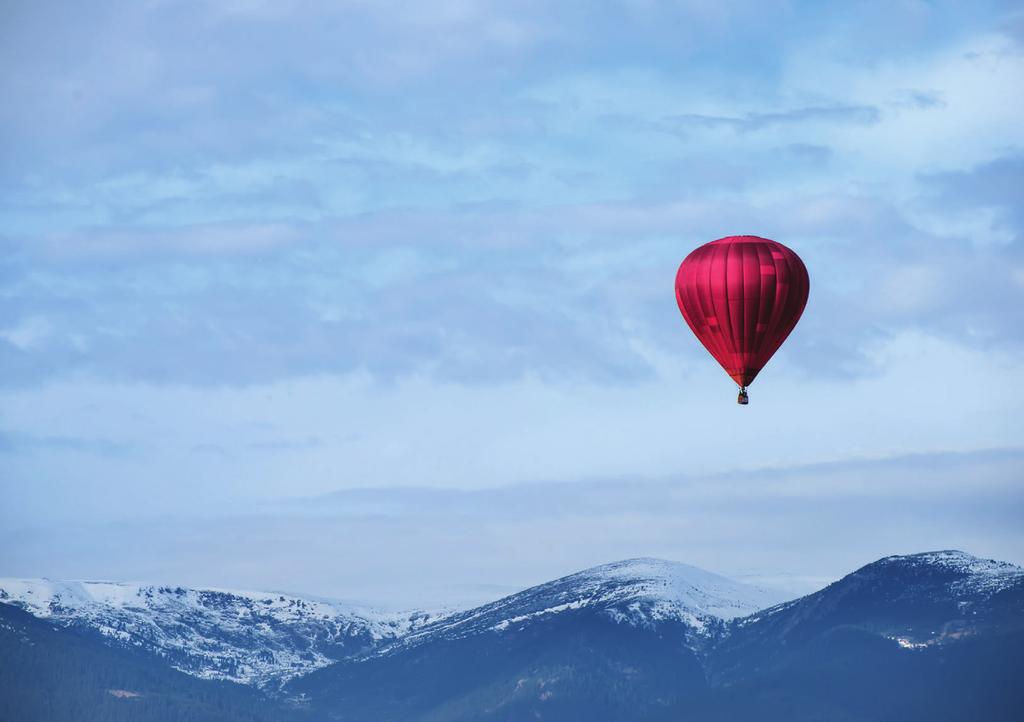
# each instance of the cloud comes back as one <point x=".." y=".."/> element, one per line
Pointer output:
<point x="22" y="443"/>
<point x="147" y="87"/>
<point x="751" y="122"/>
<point x="921" y="100"/>
<point x="1013" y="26"/>
<point x="993" y="189"/>
<point x="409" y="547"/>
<point x="246" y="324"/>
<point x="147" y="243"/>
<point x="492" y="292"/>
<point x="129" y="88"/>
<point x="809" y="151"/>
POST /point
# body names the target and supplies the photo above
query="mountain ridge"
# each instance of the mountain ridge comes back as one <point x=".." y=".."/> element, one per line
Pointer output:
<point x="241" y="636"/>
<point x="640" y="591"/>
<point x="908" y="637"/>
<point x="644" y="614"/>
<point x="268" y="638"/>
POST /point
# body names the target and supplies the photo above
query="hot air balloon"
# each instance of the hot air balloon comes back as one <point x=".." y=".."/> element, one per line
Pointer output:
<point x="741" y="296"/>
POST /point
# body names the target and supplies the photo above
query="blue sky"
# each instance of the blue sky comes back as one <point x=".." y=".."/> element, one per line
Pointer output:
<point x="301" y="295"/>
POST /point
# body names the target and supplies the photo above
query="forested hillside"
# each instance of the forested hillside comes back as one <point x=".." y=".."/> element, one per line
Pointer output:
<point x="50" y="675"/>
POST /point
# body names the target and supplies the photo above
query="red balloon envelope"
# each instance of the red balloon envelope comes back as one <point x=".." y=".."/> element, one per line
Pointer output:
<point x="741" y="296"/>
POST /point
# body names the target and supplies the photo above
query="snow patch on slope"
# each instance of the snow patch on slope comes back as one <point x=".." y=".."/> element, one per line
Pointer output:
<point x="242" y="636"/>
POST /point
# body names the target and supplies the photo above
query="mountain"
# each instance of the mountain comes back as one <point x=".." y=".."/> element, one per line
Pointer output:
<point x="933" y="636"/>
<point x="937" y="636"/>
<point x="256" y="638"/>
<point x="918" y="601"/>
<point x="49" y="674"/>
<point x="638" y="592"/>
<point x="619" y="639"/>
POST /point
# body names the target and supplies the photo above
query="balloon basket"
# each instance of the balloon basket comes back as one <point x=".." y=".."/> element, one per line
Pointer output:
<point x="743" y="399"/>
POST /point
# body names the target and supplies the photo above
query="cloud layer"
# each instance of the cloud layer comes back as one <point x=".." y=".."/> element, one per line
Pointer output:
<point x="266" y="249"/>
<point x="407" y="547"/>
<point x="256" y="193"/>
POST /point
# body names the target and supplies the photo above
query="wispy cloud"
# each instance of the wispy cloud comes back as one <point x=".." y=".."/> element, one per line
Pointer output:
<point x="993" y="190"/>
<point x="751" y="122"/>
<point x="21" y="443"/>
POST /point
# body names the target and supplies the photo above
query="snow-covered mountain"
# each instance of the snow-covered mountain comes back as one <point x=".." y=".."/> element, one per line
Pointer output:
<point x="640" y="592"/>
<point x="265" y="639"/>
<point x="937" y="636"/>
<point x="934" y="636"/>
<point x="916" y="599"/>
<point x="935" y="602"/>
<point x="258" y="638"/>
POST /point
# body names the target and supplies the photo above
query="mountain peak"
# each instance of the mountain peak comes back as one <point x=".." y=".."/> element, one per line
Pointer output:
<point x="956" y="560"/>
<point x="966" y="574"/>
<point x="651" y="567"/>
<point x="669" y="586"/>
<point x="662" y="588"/>
<point x="642" y="592"/>
<point x="651" y="563"/>
<point x="945" y="587"/>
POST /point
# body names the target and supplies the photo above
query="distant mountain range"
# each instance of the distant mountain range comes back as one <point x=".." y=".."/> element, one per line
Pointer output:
<point x="933" y="636"/>
<point x="253" y="638"/>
